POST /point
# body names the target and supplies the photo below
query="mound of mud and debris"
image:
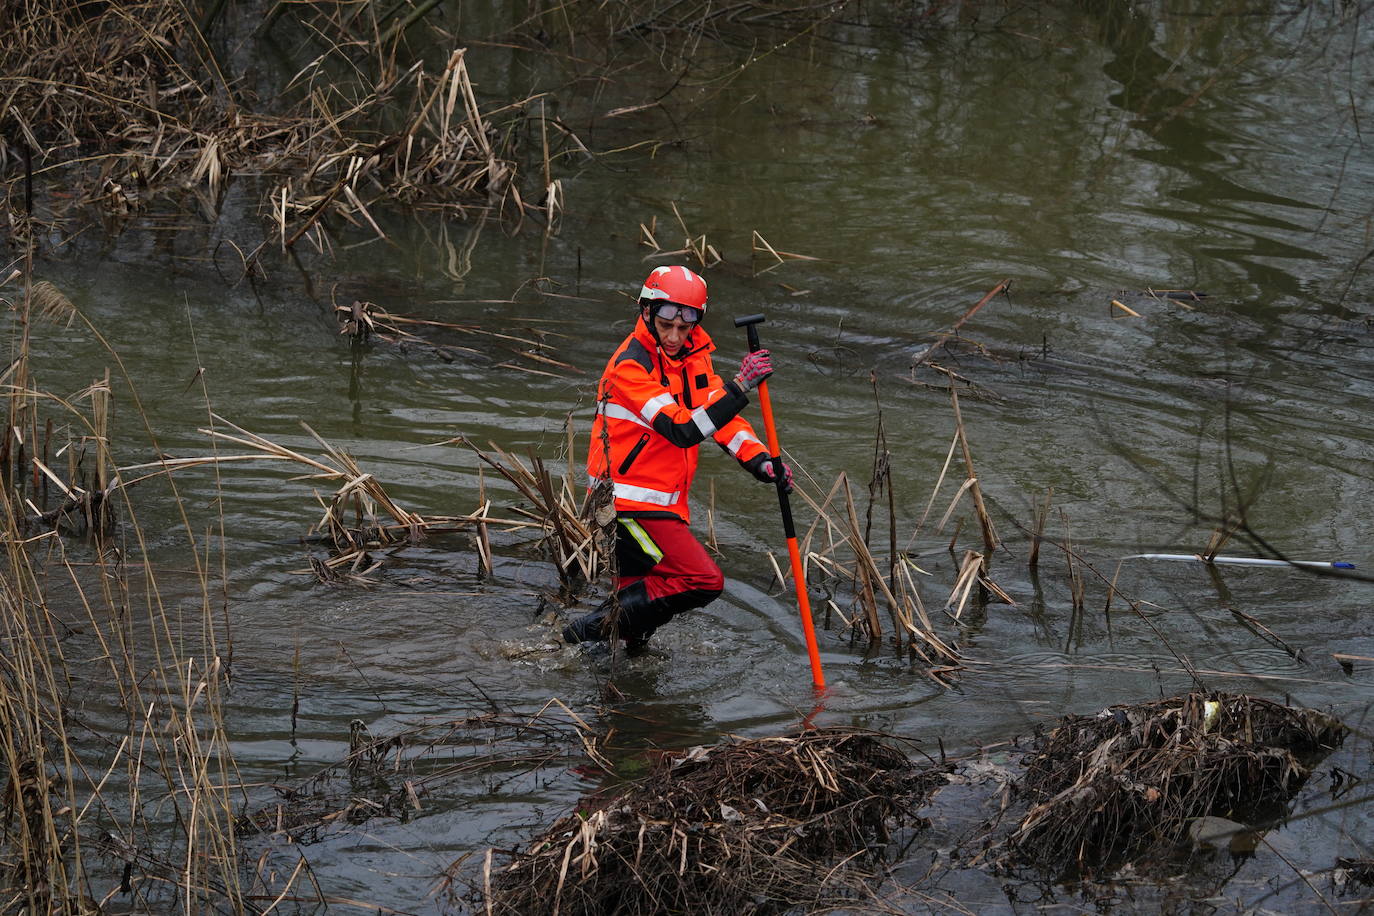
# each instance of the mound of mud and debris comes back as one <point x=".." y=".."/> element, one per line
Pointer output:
<point x="1134" y="783"/>
<point x="750" y="826"/>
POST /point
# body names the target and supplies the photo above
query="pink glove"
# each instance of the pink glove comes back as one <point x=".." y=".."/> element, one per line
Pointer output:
<point x="767" y="472"/>
<point x="755" y="368"/>
<point x="761" y="466"/>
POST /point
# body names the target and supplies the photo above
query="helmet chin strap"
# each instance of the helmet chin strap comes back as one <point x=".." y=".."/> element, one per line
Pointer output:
<point x="647" y="317"/>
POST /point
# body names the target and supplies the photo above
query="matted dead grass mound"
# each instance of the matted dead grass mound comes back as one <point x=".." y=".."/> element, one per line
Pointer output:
<point x="1127" y="783"/>
<point x="746" y="827"/>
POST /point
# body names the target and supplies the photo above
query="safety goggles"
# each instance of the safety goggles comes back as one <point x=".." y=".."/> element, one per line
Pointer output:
<point x="670" y="310"/>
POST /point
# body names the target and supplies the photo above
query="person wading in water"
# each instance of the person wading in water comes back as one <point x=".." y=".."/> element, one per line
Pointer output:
<point x="658" y="399"/>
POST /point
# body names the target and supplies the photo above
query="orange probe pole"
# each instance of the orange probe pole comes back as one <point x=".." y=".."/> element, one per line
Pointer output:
<point x="750" y="323"/>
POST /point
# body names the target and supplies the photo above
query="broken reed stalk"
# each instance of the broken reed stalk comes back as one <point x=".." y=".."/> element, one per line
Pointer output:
<point x="984" y="520"/>
<point x="483" y="535"/>
<point x="364" y="320"/>
<point x="882" y="480"/>
<point x="924" y="355"/>
<point x="571" y="533"/>
<point x="969" y="568"/>
<point x="1040" y="515"/>
<point x="1077" y="586"/>
<point x="864" y="568"/>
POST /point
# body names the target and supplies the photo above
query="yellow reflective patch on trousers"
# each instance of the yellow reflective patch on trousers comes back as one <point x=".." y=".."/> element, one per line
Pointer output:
<point x="646" y="543"/>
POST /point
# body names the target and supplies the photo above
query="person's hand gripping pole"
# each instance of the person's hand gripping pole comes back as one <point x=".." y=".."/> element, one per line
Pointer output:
<point x="750" y="324"/>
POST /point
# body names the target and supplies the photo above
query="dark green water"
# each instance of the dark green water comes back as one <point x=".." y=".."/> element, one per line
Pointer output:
<point x="1089" y="158"/>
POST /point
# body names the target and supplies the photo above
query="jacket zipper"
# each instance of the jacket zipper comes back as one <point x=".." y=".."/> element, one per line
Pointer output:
<point x="634" y="453"/>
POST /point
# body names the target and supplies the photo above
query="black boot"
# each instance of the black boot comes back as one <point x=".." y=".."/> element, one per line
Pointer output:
<point x="589" y="627"/>
<point x="638" y="619"/>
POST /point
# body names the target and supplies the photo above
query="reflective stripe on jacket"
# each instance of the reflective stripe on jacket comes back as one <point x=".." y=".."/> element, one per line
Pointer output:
<point x="652" y="412"/>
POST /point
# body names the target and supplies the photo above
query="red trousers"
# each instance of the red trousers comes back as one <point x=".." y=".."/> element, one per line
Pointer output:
<point x="676" y="572"/>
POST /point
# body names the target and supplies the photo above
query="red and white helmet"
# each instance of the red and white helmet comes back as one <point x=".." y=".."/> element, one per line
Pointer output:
<point x="676" y="285"/>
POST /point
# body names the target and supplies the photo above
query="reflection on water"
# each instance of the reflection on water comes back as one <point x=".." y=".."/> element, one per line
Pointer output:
<point x="1089" y="158"/>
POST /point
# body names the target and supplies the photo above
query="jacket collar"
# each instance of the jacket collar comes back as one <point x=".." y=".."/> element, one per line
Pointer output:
<point x="698" y="342"/>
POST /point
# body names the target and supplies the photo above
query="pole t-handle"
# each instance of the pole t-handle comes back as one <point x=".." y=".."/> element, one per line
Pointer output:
<point x="748" y="322"/>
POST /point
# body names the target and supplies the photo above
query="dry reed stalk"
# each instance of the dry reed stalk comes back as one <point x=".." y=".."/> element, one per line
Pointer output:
<point x="834" y="534"/>
<point x="575" y="536"/>
<point x="703" y="253"/>
<point x="758" y="243"/>
<point x="984" y="520"/>
<point x="936" y="651"/>
<point x="647" y="237"/>
<point x="483" y="537"/>
<point x="363" y="320"/>
<point x="1077" y="586"/>
<point x="969" y="568"/>
<point x="865" y="574"/>
<point x="860" y="570"/>
<point x="1220" y="535"/>
<point x="882" y="479"/>
<point x="1111" y="588"/>
<point x="359" y="515"/>
<point x="935" y="491"/>
<point x="1040" y="515"/>
<point x="924" y="355"/>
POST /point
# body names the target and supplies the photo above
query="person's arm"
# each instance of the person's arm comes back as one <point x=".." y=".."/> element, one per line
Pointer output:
<point x="739" y="440"/>
<point x="645" y="400"/>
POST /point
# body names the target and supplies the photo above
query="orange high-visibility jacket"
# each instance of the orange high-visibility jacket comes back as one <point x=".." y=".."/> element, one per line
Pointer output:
<point x="652" y="412"/>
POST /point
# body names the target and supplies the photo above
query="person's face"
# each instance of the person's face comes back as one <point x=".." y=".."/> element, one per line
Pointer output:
<point x="672" y="334"/>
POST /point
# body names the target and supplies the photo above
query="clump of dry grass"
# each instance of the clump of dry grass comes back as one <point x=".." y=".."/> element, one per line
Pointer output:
<point x="1126" y="784"/>
<point x="742" y="827"/>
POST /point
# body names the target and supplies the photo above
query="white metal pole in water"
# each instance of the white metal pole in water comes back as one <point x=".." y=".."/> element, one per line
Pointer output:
<point x="1242" y="561"/>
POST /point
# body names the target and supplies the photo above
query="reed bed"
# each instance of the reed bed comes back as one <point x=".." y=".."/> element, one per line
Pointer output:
<point x="360" y="516"/>
<point x="746" y="826"/>
<point x="115" y="755"/>
<point x="120" y="104"/>
<point x="1127" y="784"/>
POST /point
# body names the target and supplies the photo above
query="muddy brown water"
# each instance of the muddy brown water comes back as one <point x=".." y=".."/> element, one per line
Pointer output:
<point x="1089" y="160"/>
